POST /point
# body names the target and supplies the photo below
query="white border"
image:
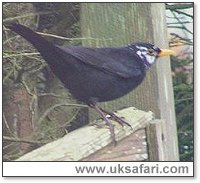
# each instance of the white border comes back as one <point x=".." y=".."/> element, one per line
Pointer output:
<point x="118" y="168"/>
<point x="197" y="100"/>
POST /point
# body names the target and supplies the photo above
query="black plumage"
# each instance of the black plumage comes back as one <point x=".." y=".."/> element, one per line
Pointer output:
<point x="95" y="74"/>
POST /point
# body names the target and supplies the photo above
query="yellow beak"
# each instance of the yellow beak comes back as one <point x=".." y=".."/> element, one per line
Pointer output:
<point x="166" y="52"/>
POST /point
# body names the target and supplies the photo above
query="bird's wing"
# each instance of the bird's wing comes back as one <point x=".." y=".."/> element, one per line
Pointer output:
<point x="117" y="61"/>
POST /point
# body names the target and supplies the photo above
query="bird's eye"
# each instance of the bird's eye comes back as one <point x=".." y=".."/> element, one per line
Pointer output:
<point x="150" y="51"/>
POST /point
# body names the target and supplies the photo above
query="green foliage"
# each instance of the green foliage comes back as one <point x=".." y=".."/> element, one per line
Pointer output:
<point x="183" y="92"/>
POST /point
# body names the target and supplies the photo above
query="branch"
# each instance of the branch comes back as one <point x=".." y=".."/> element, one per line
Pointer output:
<point x="7" y="126"/>
<point x="186" y="22"/>
<point x="178" y="6"/>
<point x="174" y="17"/>
<point x="50" y="94"/>
<point x="68" y="39"/>
<point x="55" y="106"/>
<point x="6" y="138"/>
<point x="26" y="87"/>
<point x="20" y="54"/>
<point x="25" y="16"/>
<point x="184" y="39"/>
<point x="7" y="76"/>
<point x="180" y="27"/>
<point x="175" y="45"/>
<point x="184" y="99"/>
<point x="181" y="12"/>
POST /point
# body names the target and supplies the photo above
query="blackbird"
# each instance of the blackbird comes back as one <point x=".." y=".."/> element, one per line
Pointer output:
<point x="96" y="74"/>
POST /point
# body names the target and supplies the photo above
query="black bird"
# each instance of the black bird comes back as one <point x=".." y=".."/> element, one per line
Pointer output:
<point x="96" y="74"/>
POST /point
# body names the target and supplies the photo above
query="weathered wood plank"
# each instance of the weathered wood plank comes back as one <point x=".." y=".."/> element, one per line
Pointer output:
<point x="87" y="140"/>
<point x="131" y="148"/>
<point x="155" y="141"/>
<point x="165" y="96"/>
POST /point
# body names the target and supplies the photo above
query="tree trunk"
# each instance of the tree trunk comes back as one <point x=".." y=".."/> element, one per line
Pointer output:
<point x="17" y="121"/>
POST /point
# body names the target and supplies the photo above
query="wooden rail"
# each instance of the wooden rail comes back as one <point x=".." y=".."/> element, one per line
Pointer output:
<point x="87" y="140"/>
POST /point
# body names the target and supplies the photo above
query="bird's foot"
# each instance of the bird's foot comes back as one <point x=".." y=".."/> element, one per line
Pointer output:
<point x="108" y="123"/>
<point x="106" y="115"/>
<point x="116" y="118"/>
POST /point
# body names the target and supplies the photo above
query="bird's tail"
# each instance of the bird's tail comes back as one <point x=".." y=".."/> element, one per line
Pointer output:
<point x="42" y="45"/>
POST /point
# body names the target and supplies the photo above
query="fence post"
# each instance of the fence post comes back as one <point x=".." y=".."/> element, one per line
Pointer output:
<point x="117" y="24"/>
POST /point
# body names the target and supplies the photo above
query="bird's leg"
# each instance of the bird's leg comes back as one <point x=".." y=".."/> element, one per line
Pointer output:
<point x="108" y="122"/>
<point x="116" y="118"/>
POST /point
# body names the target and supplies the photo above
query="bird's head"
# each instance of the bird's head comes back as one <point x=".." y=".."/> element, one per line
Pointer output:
<point x="149" y="52"/>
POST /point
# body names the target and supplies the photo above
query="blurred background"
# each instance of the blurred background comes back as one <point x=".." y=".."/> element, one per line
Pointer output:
<point x="36" y="107"/>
